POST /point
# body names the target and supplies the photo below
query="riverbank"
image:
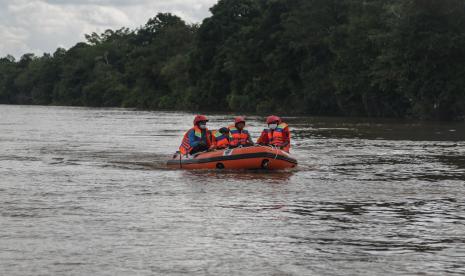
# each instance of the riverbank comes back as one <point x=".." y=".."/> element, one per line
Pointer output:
<point x="397" y="59"/>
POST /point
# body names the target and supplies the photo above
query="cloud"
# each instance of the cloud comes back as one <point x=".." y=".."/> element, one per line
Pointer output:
<point x="13" y="38"/>
<point x="40" y="26"/>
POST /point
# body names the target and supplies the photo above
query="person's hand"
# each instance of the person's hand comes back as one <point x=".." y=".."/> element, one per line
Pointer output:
<point x="283" y="146"/>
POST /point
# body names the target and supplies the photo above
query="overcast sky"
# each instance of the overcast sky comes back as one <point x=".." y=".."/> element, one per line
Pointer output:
<point x="39" y="26"/>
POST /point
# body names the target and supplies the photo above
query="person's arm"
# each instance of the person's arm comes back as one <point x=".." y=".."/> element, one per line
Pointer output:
<point x="286" y="137"/>
<point x="263" y="139"/>
<point x="214" y="143"/>
<point x="249" y="139"/>
<point x="210" y="141"/>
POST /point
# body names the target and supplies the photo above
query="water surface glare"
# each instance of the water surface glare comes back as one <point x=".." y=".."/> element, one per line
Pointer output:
<point x="86" y="192"/>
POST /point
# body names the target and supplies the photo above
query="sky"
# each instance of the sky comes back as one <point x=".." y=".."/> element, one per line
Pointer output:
<point x="41" y="26"/>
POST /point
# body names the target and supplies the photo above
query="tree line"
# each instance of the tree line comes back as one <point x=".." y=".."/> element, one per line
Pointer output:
<point x="375" y="58"/>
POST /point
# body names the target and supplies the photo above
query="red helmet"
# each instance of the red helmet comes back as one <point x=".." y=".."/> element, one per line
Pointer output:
<point x="239" y="119"/>
<point x="271" y="119"/>
<point x="200" y="118"/>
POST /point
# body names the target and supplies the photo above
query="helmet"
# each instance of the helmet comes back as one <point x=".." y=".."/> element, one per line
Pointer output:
<point x="200" y="118"/>
<point x="239" y="119"/>
<point x="272" y="118"/>
<point x="223" y="130"/>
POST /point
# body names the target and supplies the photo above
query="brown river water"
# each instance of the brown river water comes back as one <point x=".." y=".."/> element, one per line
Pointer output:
<point x="86" y="192"/>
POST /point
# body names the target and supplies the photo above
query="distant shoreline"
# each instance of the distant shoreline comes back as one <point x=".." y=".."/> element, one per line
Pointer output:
<point x="249" y="114"/>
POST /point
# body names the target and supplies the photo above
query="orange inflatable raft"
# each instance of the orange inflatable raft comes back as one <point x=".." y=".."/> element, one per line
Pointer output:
<point x="247" y="158"/>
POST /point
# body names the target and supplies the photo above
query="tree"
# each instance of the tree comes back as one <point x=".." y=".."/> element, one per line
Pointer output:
<point x="421" y="57"/>
<point x="392" y="58"/>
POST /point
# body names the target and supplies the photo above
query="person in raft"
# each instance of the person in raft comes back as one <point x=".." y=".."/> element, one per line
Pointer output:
<point x="198" y="138"/>
<point x="277" y="134"/>
<point x="220" y="138"/>
<point x="238" y="135"/>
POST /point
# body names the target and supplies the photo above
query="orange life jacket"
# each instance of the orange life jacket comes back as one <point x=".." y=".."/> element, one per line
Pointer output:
<point x="276" y="137"/>
<point x="238" y="137"/>
<point x="220" y="141"/>
<point x="186" y="147"/>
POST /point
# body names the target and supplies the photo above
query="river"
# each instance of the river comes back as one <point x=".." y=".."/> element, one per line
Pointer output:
<point x="85" y="192"/>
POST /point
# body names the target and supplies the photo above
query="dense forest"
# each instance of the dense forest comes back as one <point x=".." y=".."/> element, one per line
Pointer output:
<point x="375" y="58"/>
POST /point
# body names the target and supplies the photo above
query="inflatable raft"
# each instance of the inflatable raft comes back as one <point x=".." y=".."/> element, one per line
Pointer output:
<point x="246" y="158"/>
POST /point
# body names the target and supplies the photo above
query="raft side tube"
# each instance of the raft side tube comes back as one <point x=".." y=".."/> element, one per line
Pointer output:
<point x="257" y="157"/>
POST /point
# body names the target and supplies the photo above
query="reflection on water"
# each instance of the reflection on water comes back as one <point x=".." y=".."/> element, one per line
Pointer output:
<point x="86" y="192"/>
<point x="234" y="176"/>
<point x="378" y="129"/>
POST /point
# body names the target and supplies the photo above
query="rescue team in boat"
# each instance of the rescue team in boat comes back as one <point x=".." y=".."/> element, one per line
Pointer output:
<point x="200" y="139"/>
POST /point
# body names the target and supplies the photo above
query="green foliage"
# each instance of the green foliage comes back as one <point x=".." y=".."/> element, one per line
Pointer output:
<point x="421" y="55"/>
<point x="378" y="58"/>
